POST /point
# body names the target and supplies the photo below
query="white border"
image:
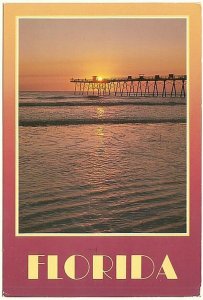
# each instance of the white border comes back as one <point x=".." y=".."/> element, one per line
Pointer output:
<point x="187" y="233"/>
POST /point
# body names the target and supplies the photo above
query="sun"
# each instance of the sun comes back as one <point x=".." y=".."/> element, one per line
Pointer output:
<point x="99" y="78"/>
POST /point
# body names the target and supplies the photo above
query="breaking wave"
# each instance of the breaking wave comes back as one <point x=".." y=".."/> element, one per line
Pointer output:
<point x="39" y="123"/>
<point x="95" y="103"/>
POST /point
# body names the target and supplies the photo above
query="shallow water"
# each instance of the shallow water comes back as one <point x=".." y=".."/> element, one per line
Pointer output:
<point x="102" y="168"/>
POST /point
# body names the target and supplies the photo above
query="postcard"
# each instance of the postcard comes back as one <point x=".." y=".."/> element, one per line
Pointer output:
<point x="102" y="142"/>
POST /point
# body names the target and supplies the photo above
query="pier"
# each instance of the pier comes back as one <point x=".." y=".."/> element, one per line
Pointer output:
<point x="138" y="86"/>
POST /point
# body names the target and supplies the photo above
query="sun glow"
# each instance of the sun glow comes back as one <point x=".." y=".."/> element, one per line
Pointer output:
<point x="99" y="78"/>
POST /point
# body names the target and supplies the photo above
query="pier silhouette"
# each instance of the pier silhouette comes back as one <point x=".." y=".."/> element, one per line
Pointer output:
<point x="140" y="86"/>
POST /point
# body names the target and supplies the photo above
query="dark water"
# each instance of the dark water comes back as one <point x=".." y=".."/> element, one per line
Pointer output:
<point x="103" y="165"/>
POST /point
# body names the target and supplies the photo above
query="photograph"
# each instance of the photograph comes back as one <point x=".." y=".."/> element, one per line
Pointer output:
<point x="102" y="118"/>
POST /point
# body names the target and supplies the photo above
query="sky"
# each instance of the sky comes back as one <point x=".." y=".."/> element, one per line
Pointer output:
<point x="52" y="51"/>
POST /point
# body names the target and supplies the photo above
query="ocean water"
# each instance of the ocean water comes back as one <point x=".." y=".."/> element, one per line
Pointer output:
<point x="101" y="165"/>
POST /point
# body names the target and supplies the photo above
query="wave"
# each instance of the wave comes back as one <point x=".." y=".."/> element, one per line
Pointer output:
<point x="56" y="97"/>
<point x="98" y="103"/>
<point x="41" y="123"/>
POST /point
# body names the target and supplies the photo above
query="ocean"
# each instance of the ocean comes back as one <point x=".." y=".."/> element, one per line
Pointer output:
<point x="101" y="164"/>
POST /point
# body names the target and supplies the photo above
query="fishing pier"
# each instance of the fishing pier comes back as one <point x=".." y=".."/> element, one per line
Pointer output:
<point x="140" y="86"/>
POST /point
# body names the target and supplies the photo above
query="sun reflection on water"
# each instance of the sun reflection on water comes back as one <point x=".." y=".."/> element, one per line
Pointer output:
<point x="100" y="131"/>
<point x="100" y="112"/>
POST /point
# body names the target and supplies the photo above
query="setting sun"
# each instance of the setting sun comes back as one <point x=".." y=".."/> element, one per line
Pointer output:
<point x="99" y="78"/>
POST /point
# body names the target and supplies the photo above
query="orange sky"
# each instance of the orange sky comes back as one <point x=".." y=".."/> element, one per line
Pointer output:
<point x="51" y="51"/>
